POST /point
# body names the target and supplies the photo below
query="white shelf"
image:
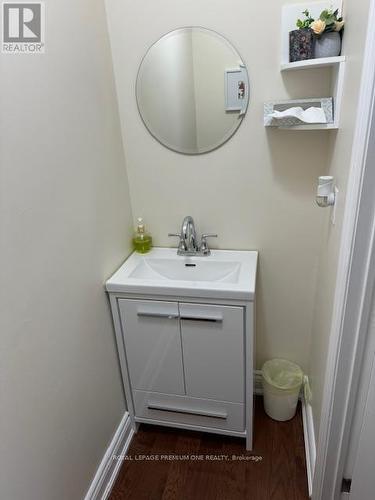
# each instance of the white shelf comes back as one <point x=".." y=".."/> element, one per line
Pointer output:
<point x="312" y="63"/>
<point x="290" y="123"/>
<point x="290" y="13"/>
<point x="316" y="126"/>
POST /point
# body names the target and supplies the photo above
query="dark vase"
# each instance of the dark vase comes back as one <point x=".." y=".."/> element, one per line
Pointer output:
<point x="301" y="45"/>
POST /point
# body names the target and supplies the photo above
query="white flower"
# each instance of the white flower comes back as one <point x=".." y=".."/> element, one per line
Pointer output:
<point x="318" y="26"/>
<point x="339" y="25"/>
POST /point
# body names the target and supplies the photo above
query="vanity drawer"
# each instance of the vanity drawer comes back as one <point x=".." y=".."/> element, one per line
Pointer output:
<point x="190" y="411"/>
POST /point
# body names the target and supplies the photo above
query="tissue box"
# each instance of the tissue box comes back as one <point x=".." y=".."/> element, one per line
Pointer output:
<point x="326" y="103"/>
<point x="301" y="45"/>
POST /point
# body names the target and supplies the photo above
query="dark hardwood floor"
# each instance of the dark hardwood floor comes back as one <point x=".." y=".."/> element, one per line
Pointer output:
<point x="280" y="475"/>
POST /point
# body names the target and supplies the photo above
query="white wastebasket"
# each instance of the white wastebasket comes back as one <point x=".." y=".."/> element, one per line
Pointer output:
<point x="282" y="382"/>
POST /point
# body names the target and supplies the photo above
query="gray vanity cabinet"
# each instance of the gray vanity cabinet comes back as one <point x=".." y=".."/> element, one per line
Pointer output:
<point x="195" y="350"/>
<point x="184" y="363"/>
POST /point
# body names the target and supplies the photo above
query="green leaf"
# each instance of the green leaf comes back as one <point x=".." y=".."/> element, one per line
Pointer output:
<point x="329" y="28"/>
<point x="305" y="23"/>
<point x="328" y="16"/>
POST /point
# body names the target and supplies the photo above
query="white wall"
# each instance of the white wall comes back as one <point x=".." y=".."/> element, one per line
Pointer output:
<point x="257" y="191"/>
<point x="64" y="227"/>
<point x="355" y="12"/>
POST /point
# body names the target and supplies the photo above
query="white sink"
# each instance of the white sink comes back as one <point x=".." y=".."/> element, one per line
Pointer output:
<point x="181" y="270"/>
<point x="223" y="274"/>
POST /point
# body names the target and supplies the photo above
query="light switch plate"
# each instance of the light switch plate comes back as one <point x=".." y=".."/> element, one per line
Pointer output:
<point x="236" y="89"/>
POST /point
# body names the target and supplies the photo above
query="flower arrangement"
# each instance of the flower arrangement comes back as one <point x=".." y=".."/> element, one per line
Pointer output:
<point x="316" y="38"/>
<point x="327" y="22"/>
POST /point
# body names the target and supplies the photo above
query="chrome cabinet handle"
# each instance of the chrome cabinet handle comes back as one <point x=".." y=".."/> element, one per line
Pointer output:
<point x="150" y="314"/>
<point x="176" y="409"/>
<point x="212" y="319"/>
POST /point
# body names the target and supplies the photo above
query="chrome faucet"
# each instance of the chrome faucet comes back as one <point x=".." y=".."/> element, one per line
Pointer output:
<point x="188" y="244"/>
<point x="189" y="235"/>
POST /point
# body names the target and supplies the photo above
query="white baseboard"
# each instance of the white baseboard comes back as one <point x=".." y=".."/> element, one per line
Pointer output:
<point x="108" y="469"/>
<point x="308" y="429"/>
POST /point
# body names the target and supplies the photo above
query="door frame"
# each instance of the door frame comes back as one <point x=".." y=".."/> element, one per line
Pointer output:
<point x="353" y="293"/>
<point x="363" y="481"/>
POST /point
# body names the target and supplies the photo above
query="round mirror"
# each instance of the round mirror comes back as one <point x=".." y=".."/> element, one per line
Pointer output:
<point x="192" y="90"/>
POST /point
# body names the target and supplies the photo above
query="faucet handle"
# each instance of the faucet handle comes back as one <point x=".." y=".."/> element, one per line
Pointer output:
<point x="209" y="235"/>
<point x="181" y="243"/>
<point x="204" y="247"/>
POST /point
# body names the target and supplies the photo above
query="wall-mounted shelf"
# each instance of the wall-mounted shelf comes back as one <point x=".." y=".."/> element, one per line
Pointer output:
<point x="290" y="13"/>
<point x="313" y="63"/>
<point x="325" y="103"/>
<point x="311" y="126"/>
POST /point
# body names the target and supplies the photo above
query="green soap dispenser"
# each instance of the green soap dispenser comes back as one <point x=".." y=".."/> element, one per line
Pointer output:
<point x="142" y="241"/>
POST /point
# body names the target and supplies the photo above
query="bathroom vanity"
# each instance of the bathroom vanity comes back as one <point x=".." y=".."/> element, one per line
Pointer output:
<point x="185" y="337"/>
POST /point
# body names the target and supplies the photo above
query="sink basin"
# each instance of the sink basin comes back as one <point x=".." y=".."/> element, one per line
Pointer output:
<point x="223" y="274"/>
<point x="184" y="270"/>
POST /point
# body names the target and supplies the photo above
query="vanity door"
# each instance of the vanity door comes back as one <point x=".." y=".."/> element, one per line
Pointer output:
<point x="153" y="345"/>
<point x="213" y="348"/>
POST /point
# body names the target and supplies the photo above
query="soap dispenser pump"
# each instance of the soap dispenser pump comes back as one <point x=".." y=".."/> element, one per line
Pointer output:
<point x="142" y="241"/>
